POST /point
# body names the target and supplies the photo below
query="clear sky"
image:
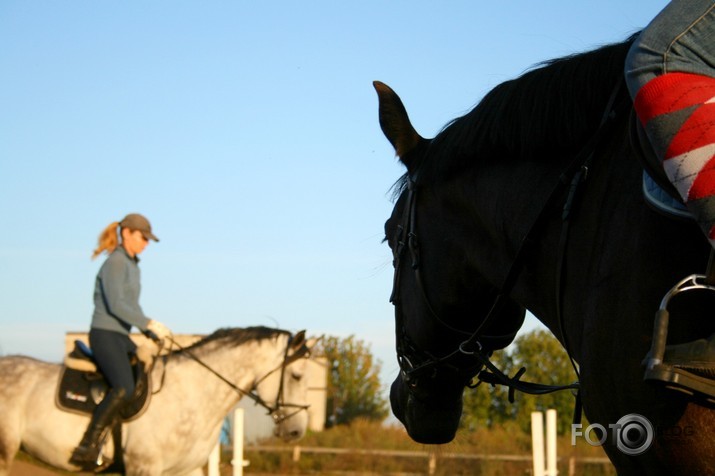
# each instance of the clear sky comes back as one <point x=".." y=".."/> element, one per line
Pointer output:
<point x="247" y="132"/>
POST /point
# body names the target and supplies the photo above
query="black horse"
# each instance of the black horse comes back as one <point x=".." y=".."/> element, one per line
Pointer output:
<point x="534" y="200"/>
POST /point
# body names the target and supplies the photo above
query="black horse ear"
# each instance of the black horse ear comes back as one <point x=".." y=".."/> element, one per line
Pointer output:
<point x="394" y="121"/>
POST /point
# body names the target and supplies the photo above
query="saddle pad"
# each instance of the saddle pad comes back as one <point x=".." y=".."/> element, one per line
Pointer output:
<point x="80" y="392"/>
<point x="658" y="192"/>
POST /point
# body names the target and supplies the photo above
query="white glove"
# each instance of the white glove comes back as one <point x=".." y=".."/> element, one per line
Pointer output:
<point x="161" y="331"/>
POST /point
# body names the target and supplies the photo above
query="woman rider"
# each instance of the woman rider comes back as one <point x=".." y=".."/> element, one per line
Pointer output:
<point x="116" y="310"/>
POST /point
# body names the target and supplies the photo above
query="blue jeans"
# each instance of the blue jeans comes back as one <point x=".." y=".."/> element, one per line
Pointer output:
<point x="681" y="38"/>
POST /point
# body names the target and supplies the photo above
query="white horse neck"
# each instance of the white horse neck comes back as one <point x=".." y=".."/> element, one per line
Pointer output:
<point x="242" y="365"/>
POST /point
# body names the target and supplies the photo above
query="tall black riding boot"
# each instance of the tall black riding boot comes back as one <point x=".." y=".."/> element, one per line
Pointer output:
<point x="87" y="453"/>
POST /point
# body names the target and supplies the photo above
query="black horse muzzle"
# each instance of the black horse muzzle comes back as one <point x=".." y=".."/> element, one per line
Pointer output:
<point x="432" y="421"/>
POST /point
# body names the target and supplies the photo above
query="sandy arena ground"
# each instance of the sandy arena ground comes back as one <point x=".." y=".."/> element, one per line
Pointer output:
<point x="23" y="468"/>
<point x="26" y="468"/>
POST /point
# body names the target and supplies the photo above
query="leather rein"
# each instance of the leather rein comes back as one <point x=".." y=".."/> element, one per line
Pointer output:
<point x="474" y="348"/>
<point x="276" y="411"/>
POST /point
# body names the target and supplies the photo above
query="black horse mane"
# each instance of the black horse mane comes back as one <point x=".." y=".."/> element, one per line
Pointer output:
<point x="236" y="336"/>
<point x="549" y="111"/>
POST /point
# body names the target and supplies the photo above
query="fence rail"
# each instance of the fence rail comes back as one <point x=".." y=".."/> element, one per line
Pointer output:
<point x="431" y="456"/>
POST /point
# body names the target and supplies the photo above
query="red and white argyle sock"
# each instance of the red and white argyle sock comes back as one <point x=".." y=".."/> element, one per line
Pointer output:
<point x="678" y="113"/>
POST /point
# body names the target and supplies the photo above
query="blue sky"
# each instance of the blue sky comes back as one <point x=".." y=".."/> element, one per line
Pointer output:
<point x="247" y="132"/>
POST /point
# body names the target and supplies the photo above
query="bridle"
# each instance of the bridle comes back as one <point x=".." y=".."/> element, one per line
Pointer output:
<point x="473" y="349"/>
<point x="277" y="411"/>
<point x="413" y="361"/>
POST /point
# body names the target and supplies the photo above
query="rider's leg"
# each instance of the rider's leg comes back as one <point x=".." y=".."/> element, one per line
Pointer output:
<point x="670" y="72"/>
<point x="87" y="451"/>
<point x="111" y="352"/>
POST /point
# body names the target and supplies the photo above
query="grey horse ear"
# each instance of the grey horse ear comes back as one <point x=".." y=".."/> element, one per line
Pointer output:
<point x="298" y="340"/>
<point x="310" y="343"/>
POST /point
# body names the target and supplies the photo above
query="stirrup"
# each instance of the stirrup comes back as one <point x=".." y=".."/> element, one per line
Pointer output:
<point x="96" y="463"/>
<point x="677" y="377"/>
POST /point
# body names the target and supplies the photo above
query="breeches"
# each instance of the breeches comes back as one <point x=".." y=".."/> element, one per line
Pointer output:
<point x="112" y="352"/>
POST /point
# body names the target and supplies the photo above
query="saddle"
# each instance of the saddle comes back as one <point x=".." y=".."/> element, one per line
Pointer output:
<point x="82" y="386"/>
<point x="679" y="366"/>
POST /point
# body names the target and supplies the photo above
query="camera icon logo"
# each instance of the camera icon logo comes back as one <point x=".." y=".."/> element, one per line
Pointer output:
<point x="634" y="434"/>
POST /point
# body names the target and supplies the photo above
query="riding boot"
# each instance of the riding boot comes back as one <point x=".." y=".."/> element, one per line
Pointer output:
<point x="87" y="453"/>
<point x="698" y="356"/>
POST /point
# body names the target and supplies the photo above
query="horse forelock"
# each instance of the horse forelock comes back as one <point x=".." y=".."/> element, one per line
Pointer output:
<point x="235" y="336"/>
<point x="549" y="111"/>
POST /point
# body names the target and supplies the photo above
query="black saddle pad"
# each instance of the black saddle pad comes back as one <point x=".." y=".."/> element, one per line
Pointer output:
<point x="80" y="392"/>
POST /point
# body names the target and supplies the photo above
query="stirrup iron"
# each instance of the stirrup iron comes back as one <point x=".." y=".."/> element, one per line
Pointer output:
<point x="673" y="376"/>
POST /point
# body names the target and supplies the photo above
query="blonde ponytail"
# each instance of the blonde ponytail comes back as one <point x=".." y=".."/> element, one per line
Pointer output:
<point x="108" y="240"/>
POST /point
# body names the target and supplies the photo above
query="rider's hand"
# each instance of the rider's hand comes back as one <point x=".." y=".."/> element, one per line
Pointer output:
<point x="159" y="329"/>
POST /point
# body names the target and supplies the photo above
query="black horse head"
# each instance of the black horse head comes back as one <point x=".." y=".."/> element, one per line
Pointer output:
<point x="437" y="289"/>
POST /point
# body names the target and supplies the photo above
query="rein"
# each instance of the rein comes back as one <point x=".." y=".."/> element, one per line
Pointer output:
<point x="573" y="176"/>
<point x="275" y="412"/>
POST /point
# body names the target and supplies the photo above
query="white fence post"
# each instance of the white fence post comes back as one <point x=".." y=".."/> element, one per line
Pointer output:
<point x="551" y="468"/>
<point x="537" y="442"/>
<point x="214" y="459"/>
<point x="432" y="463"/>
<point x="238" y="462"/>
